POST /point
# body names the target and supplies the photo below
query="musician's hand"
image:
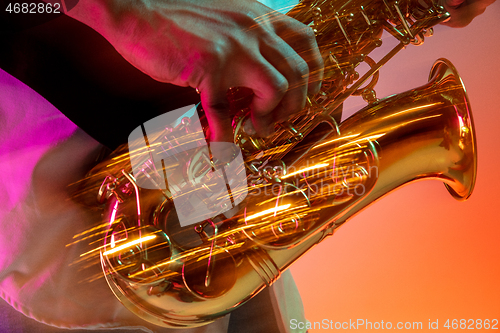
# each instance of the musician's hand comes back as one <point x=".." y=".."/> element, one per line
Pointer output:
<point x="213" y="45"/>
<point x="464" y="11"/>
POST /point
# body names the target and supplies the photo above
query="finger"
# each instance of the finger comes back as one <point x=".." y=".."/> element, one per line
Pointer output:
<point x="303" y="40"/>
<point x="216" y="106"/>
<point x="254" y="72"/>
<point x="269" y="87"/>
<point x="461" y="16"/>
<point x="463" y="12"/>
<point x="316" y="68"/>
<point x="453" y="3"/>
<point x="296" y="71"/>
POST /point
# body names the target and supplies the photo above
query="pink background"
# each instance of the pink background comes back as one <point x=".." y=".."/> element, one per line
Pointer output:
<point x="418" y="254"/>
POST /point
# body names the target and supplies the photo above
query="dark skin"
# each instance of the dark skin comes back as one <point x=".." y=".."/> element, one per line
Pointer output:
<point x="213" y="45"/>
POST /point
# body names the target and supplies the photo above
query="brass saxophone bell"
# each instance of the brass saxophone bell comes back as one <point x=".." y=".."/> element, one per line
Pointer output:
<point x="442" y="102"/>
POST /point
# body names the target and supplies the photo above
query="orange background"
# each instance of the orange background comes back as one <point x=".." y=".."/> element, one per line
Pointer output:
<point x="418" y="254"/>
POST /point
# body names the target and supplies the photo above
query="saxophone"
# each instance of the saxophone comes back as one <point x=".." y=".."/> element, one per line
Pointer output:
<point x="298" y="186"/>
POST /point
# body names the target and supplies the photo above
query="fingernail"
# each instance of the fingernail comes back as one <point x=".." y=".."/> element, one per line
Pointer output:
<point x="248" y="127"/>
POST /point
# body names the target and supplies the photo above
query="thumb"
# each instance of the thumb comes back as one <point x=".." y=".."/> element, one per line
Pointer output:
<point x="216" y="107"/>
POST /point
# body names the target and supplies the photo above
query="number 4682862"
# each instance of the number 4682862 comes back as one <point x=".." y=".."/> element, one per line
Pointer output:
<point x="472" y="324"/>
<point x="33" y="8"/>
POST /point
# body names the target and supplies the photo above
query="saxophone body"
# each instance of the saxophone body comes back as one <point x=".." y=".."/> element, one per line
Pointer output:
<point x="300" y="185"/>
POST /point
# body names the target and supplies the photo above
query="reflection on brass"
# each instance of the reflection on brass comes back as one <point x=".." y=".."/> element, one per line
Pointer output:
<point x="303" y="182"/>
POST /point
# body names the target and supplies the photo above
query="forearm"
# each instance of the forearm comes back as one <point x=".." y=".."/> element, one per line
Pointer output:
<point x="112" y="19"/>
